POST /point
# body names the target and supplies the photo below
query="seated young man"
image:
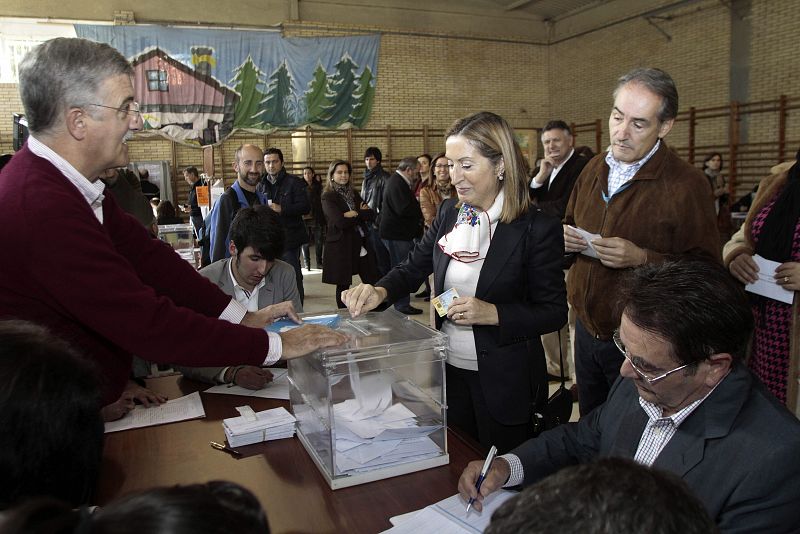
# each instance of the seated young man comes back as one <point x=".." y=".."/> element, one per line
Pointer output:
<point x="256" y="277"/>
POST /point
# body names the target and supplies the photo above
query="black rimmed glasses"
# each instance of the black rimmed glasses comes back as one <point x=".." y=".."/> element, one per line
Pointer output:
<point x="131" y="108"/>
<point x="646" y="376"/>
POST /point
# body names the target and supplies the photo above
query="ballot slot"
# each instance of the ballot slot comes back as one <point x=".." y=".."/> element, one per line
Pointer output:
<point x="374" y="407"/>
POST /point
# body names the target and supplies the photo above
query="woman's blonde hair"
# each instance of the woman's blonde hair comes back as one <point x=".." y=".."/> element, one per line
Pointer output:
<point x="494" y="138"/>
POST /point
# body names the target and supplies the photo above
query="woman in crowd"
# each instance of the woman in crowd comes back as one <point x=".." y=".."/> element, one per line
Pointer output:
<point x="509" y="293"/>
<point x="772" y="230"/>
<point x="316" y="222"/>
<point x="432" y="194"/>
<point x="348" y="251"/>
<point x="436" y="190"/>
<point x="425" y="175"/>
<point x="712" y="167"/>
<point x="165" y="213"/>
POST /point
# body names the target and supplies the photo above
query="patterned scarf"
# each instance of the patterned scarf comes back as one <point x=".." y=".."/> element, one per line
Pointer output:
<point x="346" y="193"/>
<point x="469" y="239"/>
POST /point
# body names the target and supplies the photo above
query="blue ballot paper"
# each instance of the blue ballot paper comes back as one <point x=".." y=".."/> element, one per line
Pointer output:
<point x="282" y="325"/>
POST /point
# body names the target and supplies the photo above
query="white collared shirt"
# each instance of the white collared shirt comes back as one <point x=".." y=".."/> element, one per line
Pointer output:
<point x="91" y="191"/>
<point x="659" y="429"/>
<point x="656" y="435"/>
<point x="248" y="299"/>
<point x="553" y="173"/>
<point x="620" y="173"/>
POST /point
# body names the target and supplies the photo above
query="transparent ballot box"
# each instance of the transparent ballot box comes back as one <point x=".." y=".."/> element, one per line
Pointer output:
<point x="375" y="407"/>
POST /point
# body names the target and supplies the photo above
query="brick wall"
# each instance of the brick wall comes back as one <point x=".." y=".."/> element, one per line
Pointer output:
<point x="583" y="71"/>
<point x="433" y="80"/>
<point x="9" y="103"/>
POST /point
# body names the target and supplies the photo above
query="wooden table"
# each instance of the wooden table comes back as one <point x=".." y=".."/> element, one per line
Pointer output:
<point x="280" y="473"/>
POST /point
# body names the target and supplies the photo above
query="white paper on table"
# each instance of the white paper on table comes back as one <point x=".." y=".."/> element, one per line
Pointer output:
<point x="277" y="389"/>
<point x="266" y="419"/>
<point x="766" y="285"/>
<point x="402" y="518"/>
<point x="450" y="517"/>
<point x="180" y="409"/>
<point x="588" y="237"/>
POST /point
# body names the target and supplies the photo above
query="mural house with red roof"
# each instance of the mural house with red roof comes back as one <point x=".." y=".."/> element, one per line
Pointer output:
<point x="183" y="102"/>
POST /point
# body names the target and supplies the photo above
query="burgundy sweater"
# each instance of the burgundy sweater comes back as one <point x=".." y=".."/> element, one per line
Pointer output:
<point x="108" y="289"/>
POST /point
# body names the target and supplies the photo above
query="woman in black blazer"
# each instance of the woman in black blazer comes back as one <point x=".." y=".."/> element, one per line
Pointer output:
<point x="347" y="251"/>
<point x="504" y="258"/>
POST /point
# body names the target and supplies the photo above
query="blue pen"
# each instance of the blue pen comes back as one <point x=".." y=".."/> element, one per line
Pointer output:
<point x="486" y="466"/>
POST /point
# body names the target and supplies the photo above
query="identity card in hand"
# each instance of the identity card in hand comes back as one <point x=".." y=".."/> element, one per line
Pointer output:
<point x="442" y="302"/>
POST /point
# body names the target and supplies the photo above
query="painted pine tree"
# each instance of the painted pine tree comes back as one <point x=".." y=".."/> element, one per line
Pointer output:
<point x="247" y="79"/>
<point x="316" y="97"/>
<point x="365" y="96"/>
<point x="276" y="107"/>
<point x="342" y="89"/>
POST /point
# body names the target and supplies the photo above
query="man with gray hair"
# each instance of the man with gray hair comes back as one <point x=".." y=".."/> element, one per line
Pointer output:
<point x="639" y="203"/>
<point x="401" y="220"/>
<point x="90" y="272"/>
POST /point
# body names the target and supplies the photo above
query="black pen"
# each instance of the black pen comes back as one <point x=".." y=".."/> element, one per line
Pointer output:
<point x="225" y="448"/>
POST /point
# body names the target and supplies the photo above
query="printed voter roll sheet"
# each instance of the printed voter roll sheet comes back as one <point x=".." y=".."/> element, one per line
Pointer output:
<point x="588" y="237"/>
<point x="172" y="411"/>
<point x="277" y="389"/>
<point x="450" y="516"/>
<point x="766" y="285"/>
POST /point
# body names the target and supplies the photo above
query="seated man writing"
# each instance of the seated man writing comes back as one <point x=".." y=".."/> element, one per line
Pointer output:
<point x="257" y="279"/>
<point x="684" y="403"/>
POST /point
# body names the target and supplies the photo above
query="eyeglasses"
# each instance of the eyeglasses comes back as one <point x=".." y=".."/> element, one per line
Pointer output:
<point x="647" y="377"/>
<point x="131" y="108"/>
<point x="441" y="166"/>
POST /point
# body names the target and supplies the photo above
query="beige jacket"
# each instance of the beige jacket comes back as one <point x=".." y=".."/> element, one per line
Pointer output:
<point x="741" y="243"/>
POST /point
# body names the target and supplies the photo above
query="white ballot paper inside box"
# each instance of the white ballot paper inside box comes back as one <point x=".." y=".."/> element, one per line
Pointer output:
<point x="254" y="427"/>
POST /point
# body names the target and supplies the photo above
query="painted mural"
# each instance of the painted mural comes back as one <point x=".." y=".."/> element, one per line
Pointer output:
<point x="199" y="86"/>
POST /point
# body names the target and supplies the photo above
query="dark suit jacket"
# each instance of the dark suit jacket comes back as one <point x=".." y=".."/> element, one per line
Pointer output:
<point x="290" y="192"/>
<point x="739" y="451"/>
<point x="401" y="216"/>
<point x="343" y="242"/>
<point x="522" y="277"/>
<point x="552" y="199"/>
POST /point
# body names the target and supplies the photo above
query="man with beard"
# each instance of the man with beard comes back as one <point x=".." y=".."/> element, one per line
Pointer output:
<point x="249" y="166"/>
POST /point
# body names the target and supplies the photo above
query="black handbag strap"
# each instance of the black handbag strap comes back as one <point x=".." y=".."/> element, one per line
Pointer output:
<point x="561" y="360"/>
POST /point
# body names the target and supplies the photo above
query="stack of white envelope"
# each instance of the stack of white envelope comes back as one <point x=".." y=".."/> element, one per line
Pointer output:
<point x="380" y="437"/>
<point x="253" y="427"/>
